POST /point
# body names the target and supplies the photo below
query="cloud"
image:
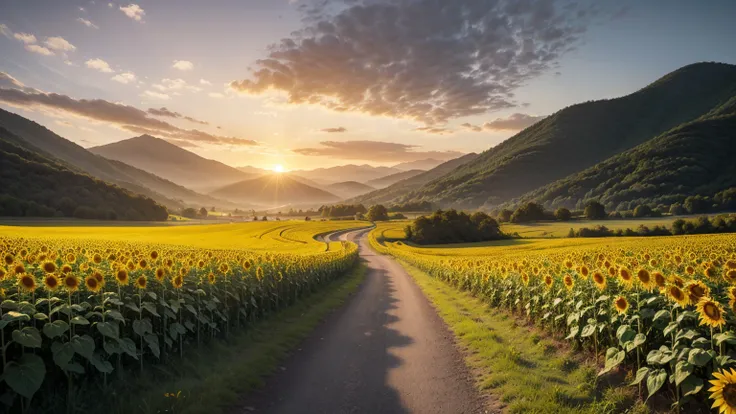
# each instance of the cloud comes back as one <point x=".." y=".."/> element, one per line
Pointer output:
<point x="165" y="112"/>
<point x="515" y="122"/>
<point x="124" y="78"/>
<point x="60" y="44"/>
<point x="216" y="95"/>
<point x="155" y="95"/>
<point x="474" y="128"/>
<point x="424" y="60"/>
<point x="133" y="11"/>
<point x="338" y="129"/>
<point x="122" y="116"/>
<point x="99" y="64"/>
<point x="5" y="31"/>
<point x="175" y="85"/>
<point x="205" y="82"/>
<point x="26" y="38"/>
<point x="434" y="130"/>
<point x="183" y="65"/>
<point x="374" y="151"/>
<point x="87" y="23"/>
<point x="39" y="49"/>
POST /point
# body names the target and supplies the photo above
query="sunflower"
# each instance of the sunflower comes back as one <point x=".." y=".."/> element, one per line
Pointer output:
<point x="160" y="274"/>
<point x="49" y="267"/>
<point x="659" y="279"/>
<point x="525" y="278"/>
<point x="9" y="259"/>
<point x="569" y="282"/>
<point x="621" y="304"/>
<point x="690" y="270"/>
<point x="723" y="391"/>
<point x="19" y="269"/>
<point x="121" y="276"/>
<point x="66" y="268"/>
<point x="153" y="255"/>
<point x="696" y="290"/>
<point x="645" y="278"/>
<point x="599" y="280"/>
<point x="140" y="283"/>
<point x="211" y="278"/>
<point x="27" y="282"/>
<point x="177" y="281"/>
<point x="729" y="275"/>
<point x="92" y="284"/>
<point x="675" y="294"/>
<point x="711" y="312"/>
<point x="224" y="268"/>
<point x="51" y="282"/>
<point x="259" y="273"/>
<point x="71" y="282"/>
<point x="97" y="258"/>
<point x="548" y="281"/>
<point x="625" y="276"/>
<point x="677" y="281"/>
<point x="3" y="272"/>
<point x="71" y="258"/>
<point x="731" y="296"/>
<point x="143" y="264"/>
<point x="584" y="270"/>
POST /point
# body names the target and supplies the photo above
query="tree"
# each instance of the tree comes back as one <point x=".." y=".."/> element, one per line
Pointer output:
<point x="203" y="212"/>
<point x="189" y="212"/>
<point x="677" y="209"/>
<point x="696" y="204"/>
<point x="377" y="213"/>
<point x="504" y="216"/>
<point x="528" y="212"/>
<point x="453" y="227"/>
<point x="595" y="211"/>
<point x="563" y="214"/>
<point x="642" y="211"/>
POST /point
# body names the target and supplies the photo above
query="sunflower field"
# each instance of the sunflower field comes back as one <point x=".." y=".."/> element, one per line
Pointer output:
<point x="662" y="309"/>
<point x="80" y="311"/>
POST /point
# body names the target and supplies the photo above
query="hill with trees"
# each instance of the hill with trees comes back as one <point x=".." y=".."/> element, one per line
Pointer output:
<point x="33" y="184"/>
<point x="347" y="189"/>
<point x="74" y="157"/>
<point x="388" y="180"/>
<point x="272" y="191"/>
<point x="693" y="159"/>
<point x="582" y="135"/>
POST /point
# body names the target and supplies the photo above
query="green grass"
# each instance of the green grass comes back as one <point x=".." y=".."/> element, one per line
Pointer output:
<point x="213" y="380"/>
<point x="523" y="369"/>
<point x="561" y="229"/>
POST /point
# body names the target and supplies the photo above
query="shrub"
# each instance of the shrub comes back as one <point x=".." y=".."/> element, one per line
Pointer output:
<point x="595" y="211"/>
<point x="563" y="214"/>
<point x="377" y="213"/>
<point x="453" y="227"/>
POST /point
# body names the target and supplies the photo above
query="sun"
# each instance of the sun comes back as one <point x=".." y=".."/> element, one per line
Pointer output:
<point x="278" y="168"/>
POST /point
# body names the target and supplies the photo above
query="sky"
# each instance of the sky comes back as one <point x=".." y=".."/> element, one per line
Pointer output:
<point x="318" y="83"/>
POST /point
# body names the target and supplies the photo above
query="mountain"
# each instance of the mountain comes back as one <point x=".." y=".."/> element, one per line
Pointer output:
<point x="171" y="162"/>
<point x="349" y="189"/>
<point x="350" y="172"/>
<point x="395" y="191"/>
<point x="34" y="184"/>
<point x="696" y="158"/>
<point x="580" y="136"/>
<point x="388" y="180"/>
<point x="253" y="171"/>
<point x="273" y="191"/>
<point x="425" y="165"/>
<point x="79" y="159"/>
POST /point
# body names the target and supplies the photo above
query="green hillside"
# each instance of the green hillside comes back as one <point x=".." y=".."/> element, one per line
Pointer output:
<point x="34" y="185"/>
<point x="581" y="136"/>
<point x="79" y="159"/>
<point x="696" y="158"/>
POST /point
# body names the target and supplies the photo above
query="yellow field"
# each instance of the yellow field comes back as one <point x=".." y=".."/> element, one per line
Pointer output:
<point x="271" y="236"/>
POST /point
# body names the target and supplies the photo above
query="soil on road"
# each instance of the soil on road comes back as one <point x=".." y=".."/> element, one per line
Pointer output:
<point x="385" y="351"/>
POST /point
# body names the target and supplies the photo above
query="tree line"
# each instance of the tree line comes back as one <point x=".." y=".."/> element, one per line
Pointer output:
<point x="451" y="226"/>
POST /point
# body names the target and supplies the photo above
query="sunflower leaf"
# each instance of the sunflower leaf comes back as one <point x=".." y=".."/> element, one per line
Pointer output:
<point x="62" y="352"/>
<point x="83" y="345"/>
<point x="655" y="381"/>
<point x="727" y="337"/>
<point x="640" y="375"/>
<point x="691" y="386"/>
<point x="108" y="329"/>
<point x="79" y="320"/>
<point x="698" y="357"/>
<point x="670" y="328"/>
<point x="28" y="337"/>
<point x="152" y="342"/>
<point x="683" y="369"/>
<point x="25" y="375"/>
<point x="588" y="330"/>
<point x="55" y="328"/>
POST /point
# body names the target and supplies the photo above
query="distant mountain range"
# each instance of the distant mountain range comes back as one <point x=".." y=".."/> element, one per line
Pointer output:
<point x="172" y="163"/>
<point x="274" y="190"/>
<point x="348" y="189"/>
<point x="388" y="180"/>
<point x="360" y="173"/>
<point x="424" y="165"/>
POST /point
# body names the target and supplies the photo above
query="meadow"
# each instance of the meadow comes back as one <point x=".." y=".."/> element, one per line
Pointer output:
<point x="657" y="311"/>
<point x="86" y="307"/>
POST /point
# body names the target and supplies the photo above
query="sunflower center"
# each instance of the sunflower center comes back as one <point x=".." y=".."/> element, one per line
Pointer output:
<point x="729" y="394"/>
<point x="712" y="311"/>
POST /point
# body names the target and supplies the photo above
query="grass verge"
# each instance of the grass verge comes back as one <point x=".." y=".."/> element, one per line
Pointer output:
<point x="524" y="369"/>
<point x="213" y="380"/>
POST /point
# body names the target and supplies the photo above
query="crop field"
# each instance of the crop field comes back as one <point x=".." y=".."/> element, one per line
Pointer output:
<point x="83" y="305"/>
<point x="662" y="309"/>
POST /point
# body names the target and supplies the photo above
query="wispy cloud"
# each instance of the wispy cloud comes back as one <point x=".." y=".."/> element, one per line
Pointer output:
<point x="126" y="117"/>
<point x="60" y="44"/>
<point x="333" y="130"/>
<point x="377" y="151"/>
<point x="99" y="64"/>
<point x="5" y="31"/>
<point x="165" y="112"/>
<point x="183" y="65"/>
<point x="26" y="38"/>
<point x="124" y="78"/>
<point x="155" y="95"/>
<point x="133" y="11"/>
<point x="87" y="23"/>
<point x="39" y="49"/>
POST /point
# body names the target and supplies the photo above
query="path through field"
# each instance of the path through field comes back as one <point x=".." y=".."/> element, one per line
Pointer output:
<point x="386" y="351"/>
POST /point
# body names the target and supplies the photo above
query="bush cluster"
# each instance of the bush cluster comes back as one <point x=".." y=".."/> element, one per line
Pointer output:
<point x="451" y="226"/>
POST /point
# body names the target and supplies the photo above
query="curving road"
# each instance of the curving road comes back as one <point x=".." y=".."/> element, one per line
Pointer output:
<point x="385" y="351"/>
